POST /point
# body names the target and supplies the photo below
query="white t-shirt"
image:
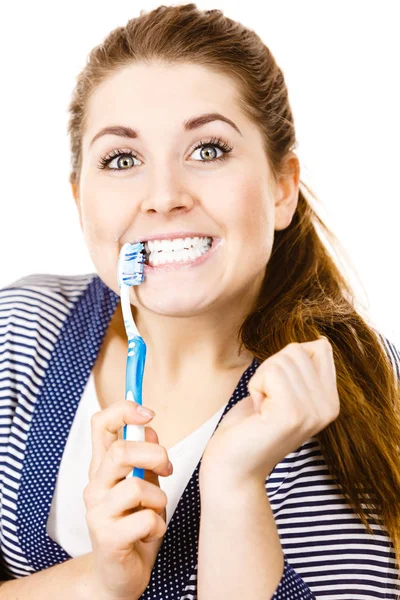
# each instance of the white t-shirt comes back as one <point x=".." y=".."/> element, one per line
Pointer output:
<point x="67" y="523"/>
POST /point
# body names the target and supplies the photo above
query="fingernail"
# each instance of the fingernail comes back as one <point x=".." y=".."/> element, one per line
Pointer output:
<point x="170" y="467"/>
<point x="145" y="412"/>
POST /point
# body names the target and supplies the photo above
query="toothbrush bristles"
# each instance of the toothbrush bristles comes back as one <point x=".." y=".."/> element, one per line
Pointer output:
<point x="131" y="261"/>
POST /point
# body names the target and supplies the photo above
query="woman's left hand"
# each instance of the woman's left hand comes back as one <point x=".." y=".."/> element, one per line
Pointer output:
<point x="293" y="396"/>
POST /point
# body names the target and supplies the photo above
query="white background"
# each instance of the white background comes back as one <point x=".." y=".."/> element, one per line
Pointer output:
<point x="341" y="64"/>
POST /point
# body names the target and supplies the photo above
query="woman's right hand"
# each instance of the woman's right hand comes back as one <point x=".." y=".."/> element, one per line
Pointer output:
<point x="126" y="517"/>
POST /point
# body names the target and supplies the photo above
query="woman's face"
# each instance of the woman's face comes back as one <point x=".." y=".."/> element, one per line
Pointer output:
<point x="163" y="187"/>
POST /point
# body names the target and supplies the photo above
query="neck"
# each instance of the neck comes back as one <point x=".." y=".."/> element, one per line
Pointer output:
<point x="179" y="348"/>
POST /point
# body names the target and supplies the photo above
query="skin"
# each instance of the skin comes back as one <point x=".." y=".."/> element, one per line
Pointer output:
<point x="188" y="318"/>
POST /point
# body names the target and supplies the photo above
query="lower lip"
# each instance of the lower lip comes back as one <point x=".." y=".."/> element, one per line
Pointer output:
<point x="185" y="266"/>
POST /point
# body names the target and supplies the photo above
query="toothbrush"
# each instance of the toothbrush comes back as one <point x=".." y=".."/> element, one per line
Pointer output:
<point x="130" y="272"/>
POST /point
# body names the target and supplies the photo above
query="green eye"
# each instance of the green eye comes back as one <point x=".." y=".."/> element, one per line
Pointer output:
<point x="130" y="156"/>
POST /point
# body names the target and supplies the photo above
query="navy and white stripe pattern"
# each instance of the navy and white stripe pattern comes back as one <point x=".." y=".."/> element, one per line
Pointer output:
<point x="51" y="329"/>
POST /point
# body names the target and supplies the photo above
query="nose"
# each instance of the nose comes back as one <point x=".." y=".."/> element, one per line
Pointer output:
<point x="167" y="193"/>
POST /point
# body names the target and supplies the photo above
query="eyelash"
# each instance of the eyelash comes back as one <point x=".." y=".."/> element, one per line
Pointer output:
<point x="218" y="143"/>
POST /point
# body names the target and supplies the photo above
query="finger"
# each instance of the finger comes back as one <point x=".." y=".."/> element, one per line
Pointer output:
<point x="328" y="403"/>
<point x="321" y="354"/>
<point x="131" y="495"/>
<point x="105" y="425"/>
<point x="151" y="476"/>
<point x="306" y="368"/>
<point x="145" y="526"/>
<point x="124" y="455"/>
<point x="277" y="386"/>
<point x="283" y="365"/>
<point x="293" y="366"/>
<point x="151" y="435"/>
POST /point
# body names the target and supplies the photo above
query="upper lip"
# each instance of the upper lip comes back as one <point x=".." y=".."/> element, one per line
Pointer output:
<point x="172" y="236"/>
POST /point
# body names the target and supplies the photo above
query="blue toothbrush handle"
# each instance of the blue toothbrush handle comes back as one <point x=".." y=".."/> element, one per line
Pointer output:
<point x="133" y="390"/>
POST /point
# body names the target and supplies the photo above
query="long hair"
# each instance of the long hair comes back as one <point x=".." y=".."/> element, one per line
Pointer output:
<point x="303" y="295"/>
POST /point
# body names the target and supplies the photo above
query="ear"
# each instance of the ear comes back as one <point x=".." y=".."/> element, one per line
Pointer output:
<point x="77" y="202"/>
<point x="287" y="193"/>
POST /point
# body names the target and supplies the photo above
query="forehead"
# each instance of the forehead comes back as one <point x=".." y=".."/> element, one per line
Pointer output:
<point x="158" y="89"/>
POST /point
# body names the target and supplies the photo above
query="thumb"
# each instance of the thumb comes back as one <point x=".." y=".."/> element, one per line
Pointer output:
<point x="258" y="398"/>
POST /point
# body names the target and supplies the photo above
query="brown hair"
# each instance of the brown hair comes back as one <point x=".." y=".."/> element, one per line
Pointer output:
<point x="303" y="295"/>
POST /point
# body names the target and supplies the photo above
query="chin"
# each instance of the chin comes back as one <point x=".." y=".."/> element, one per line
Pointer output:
<point x="175" y="304"/>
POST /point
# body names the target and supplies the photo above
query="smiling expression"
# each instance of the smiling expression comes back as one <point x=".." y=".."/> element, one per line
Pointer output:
<point x="163" y="170"/>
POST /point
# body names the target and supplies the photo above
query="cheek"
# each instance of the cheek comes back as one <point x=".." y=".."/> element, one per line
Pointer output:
<point x="101" y="222"/>
<point x="253" y="214"/>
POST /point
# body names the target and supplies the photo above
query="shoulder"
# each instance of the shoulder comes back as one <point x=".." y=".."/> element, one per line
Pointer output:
<point x="47" y="286"/>
<point x="41" y="295"/>
<point x="33" y="310"/>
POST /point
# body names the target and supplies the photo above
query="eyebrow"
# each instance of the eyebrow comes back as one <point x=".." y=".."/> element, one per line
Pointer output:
<point x="189" y="125"/>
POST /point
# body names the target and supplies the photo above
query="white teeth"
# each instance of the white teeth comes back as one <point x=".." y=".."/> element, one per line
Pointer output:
<point x="178" y="250"/>
<point x="176" y="244"/>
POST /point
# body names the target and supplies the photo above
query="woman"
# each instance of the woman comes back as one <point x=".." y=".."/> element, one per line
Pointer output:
<point x="286" y="487"/>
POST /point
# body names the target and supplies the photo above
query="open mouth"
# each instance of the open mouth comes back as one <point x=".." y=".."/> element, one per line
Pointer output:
<point x="182" y="251"/>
